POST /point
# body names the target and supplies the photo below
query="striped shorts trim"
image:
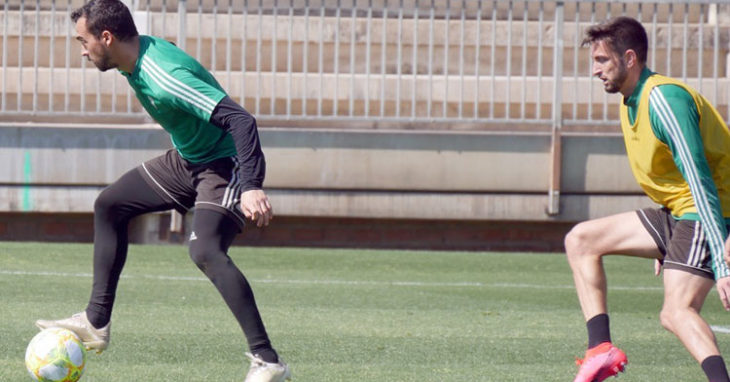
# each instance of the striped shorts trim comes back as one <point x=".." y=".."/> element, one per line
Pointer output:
<point x="213" y="185"/>
<point x="682" y="243"/>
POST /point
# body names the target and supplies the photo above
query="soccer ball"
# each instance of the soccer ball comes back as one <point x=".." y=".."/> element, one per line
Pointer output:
<point x="55" y="355"/>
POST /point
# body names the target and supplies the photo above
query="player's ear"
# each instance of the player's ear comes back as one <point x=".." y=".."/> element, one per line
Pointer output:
<point x="106" y="38"/>
<point x="630" y="58"/>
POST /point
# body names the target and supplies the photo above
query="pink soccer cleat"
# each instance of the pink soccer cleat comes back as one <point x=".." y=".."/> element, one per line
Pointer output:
<point x="601" y="361"/>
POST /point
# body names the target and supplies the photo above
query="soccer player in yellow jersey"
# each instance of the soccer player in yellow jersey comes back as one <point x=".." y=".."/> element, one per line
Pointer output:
<point x="679" y="150"/>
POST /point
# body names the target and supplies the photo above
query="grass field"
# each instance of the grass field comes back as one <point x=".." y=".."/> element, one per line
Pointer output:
<point x="346" y="315"/>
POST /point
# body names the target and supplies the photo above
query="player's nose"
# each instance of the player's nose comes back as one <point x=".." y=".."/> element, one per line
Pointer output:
<point x="596" y="70"/>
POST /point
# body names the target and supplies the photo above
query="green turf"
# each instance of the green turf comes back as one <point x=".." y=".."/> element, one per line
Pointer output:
<point x="345" y="315"/>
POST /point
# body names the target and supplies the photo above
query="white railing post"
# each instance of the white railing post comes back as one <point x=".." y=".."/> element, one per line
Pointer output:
<point x="182" y="23"/>
<point x="553" y="207"/>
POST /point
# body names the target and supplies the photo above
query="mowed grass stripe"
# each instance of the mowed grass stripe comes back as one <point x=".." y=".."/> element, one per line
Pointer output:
<point x="326" y="282"/>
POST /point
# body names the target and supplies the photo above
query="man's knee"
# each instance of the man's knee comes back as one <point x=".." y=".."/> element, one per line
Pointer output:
<point x="214" y="233"/>
<point x="108" y="205"/>
<point x="577" y="241"/>
<point x="667" y="317"/>
<point x="673" y="317"/>
<point x="103" y="200"/>
<point x="204" y="253"/>
<point x="198" y="253"/>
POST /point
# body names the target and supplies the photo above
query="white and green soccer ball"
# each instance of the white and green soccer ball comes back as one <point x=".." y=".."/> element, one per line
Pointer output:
<point x="55" y="355"/>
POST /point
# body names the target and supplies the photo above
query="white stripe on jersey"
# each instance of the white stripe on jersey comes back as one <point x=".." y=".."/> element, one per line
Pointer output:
<point x="714" y="235"/>
<point x="176" y="87"/>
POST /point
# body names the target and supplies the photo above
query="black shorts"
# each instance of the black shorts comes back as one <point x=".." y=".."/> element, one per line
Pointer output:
<point x="682" y="242"/>
<point x="213" y="185"/>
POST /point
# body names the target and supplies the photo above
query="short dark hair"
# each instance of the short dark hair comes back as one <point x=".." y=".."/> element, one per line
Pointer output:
<point x="621" y="34"/>
<point x="107" y="15"/>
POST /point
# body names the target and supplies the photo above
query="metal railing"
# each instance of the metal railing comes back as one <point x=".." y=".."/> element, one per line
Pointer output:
<point x="400" y="61"/>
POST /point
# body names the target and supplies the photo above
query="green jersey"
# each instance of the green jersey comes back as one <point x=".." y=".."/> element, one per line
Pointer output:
<point x="180" y="94"/>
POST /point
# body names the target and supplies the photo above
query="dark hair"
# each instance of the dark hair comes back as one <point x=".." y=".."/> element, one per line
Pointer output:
<point x="107" y="15"/>
<point x="621" y="34"/>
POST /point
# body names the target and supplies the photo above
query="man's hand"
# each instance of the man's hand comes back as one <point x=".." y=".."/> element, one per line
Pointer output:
<point x="723" y="289"/>
<point x="255" y="206"/>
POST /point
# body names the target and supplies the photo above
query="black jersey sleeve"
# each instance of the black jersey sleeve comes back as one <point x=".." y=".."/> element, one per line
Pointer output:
<point x="241" y="125"/>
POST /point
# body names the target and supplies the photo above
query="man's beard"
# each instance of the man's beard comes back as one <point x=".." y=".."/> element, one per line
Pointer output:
<point x="104" y="63"/>
<point x="614" y="86"/>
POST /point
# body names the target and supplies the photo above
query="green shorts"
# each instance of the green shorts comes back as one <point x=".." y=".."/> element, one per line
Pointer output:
<point x="683" y="243"/>
<point x="213" y="185"/>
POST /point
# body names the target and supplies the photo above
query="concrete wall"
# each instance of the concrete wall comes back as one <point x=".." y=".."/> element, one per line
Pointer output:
<point x="343" y="173"/>
<point x="335" y="187"/>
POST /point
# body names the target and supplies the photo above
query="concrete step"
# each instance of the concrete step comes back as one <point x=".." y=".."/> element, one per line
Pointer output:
<point x="360" y="95"/>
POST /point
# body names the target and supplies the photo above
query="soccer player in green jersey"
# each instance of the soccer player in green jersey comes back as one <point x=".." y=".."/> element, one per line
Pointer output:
<point x="678" y="147"/>
<point x="216" y="166"/>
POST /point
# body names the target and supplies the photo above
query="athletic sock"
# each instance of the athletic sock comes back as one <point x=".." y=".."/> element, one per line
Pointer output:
<point x="598" y="331"/>
<point x="266" y="354"/>
<point x="97" y="319"/>
<point x="714" y="368"/>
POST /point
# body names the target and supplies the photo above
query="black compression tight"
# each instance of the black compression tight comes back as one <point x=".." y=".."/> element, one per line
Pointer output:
<point x="214" y="233"/>
<point x="117" y="204"/>
<point x="131" y="196"/>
